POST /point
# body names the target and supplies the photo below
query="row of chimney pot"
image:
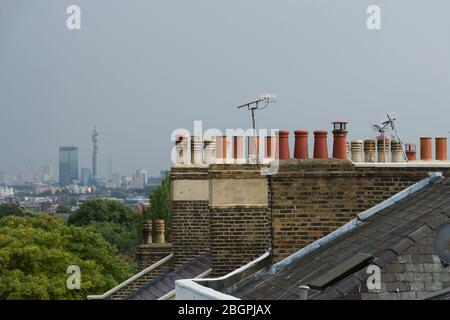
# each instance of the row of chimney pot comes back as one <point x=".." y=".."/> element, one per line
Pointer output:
<point x="150" y="228"/>
<point x="216" y="150"/>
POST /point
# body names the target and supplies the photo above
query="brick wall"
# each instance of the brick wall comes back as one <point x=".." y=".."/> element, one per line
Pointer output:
<point x="238" y="235"/>
<point x="190" y="219"/>
<point x="190" y="229"/>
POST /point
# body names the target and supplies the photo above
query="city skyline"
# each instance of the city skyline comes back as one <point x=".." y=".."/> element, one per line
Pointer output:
<point x="139" y="72"/>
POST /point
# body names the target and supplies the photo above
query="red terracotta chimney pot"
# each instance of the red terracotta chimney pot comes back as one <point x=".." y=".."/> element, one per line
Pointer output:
<point x="320" y="144"/>
<point x="301" y="144"/>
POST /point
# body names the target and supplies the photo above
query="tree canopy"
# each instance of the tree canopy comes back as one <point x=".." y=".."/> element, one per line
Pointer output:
<point x="117" y="223"/>
<point x="36" y="251"/>
<point x="160" y="205"/>
<point x="11" y="210"/>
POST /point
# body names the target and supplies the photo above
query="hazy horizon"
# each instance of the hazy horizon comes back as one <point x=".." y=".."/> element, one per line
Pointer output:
<point x="140" y="69"/>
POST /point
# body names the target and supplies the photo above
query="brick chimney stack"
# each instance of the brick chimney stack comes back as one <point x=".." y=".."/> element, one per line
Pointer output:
<point x="283" y="145"/>
<point x="320" y="145"/>
<point x="425" y="148"/>
<point x="441" y="148"/>
<point x="340" y="140"/>
<point x="301" y="144"/>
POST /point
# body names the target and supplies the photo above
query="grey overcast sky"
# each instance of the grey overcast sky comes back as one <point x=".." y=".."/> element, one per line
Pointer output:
<point x="140" y="69"/>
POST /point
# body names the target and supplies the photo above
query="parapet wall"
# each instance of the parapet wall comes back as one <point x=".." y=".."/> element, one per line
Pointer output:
<point x="246" y="213"/>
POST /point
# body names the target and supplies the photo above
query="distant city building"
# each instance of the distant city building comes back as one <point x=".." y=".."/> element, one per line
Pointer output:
<point x="68" y="165"/>
<point x="6" y="192"/>
<point x="46" y="173"/>
<point x="115" y="181"/>
<point x="86" y="176"/>
<point x="94" y="137"/>
<point x="139" y="180"/>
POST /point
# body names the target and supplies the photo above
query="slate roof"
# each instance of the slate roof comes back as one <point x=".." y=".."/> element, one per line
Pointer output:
<point x="337" y="269"/>
<point x="165" y="283"/>
<point x="443" y="294"/>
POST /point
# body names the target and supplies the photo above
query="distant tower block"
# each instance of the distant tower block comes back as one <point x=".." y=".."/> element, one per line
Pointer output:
<point x="411" y="151"/>
<point x="301" y="144"/>
<point x="196" y="150"/>
<point x="396" y="151"/>
<point x="181" y="149"/>
<point x="283" y="145"/>
<point x="94" y="137"/>
<point x="340" y="140"/>
<point x="252" y="149"/>
<point x="221" y="149"/>
<point x="320" y="145"/>
<point x="441" y="148"/>
<point x="369" y="150"/>
<point x="383" y="149"/>
<point x="210" y="150"/>
<point x="357" y="150"/>
<point x="425" y="148"/>
<point x="238" y="149"/>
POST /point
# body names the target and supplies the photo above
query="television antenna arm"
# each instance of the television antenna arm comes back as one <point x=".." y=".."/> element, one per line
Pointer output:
<point x="253" y="106"/>
<point x="394" y="128"/>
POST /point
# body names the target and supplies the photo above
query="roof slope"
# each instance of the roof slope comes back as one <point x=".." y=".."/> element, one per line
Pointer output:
<point x="165" y="283"/>
<point x="337" y="268"/>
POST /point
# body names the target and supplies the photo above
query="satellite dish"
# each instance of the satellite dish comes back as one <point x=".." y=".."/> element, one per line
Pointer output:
<point x="442" y="244"/>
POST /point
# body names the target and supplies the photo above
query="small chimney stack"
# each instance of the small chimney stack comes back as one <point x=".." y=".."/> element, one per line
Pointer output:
<point x="396" y="151"/>
<point x="369" y="150"/>
<point x="238" y="149"/>
<point x="357" y="150"/>
<point x="159" y="231"/>
<point x="301" y="144"/>
<point x="147" y="232"/>
<point x="210" y="150"/>
<point x="383" y="149"/>
<point x="252" y="148"/>
<point x="196" y="150"/>
<point x="320" y="144"/>
<point x="221" y="149"/>
<point x="425" y="148"/>
<point x="340" y="140"/>
<point x="441" y="148"/>
<point x="411" y="151"/>
<point x="283" y="145"/>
